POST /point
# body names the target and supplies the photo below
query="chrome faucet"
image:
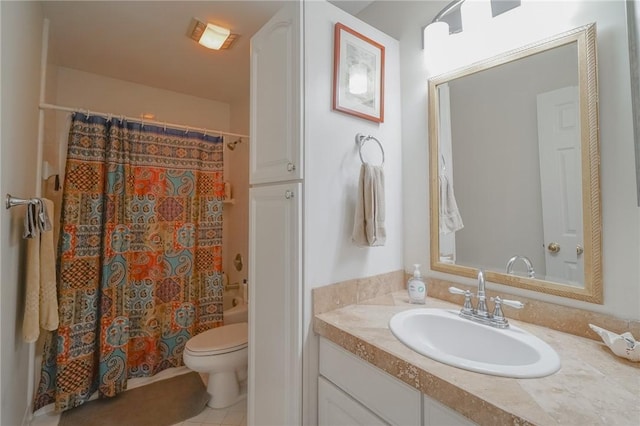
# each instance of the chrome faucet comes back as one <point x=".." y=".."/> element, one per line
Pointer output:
<point x="481" y="308"/>
<point x="481" y="313"/>
<point x="530" y="272"/>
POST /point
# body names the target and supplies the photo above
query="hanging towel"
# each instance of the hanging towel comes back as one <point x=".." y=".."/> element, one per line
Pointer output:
<point x="368" y="227"/>
<point x="41" y="302"/>
<point x="450" y="220"/>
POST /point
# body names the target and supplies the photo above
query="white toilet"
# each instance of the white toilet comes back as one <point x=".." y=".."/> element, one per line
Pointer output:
<point x="222" y="353"/>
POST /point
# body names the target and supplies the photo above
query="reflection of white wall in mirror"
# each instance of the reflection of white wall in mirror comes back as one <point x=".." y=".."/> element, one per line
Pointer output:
<point x="495" y="157"/>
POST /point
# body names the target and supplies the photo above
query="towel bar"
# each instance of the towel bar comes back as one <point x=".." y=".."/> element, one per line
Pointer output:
<point x="12" y="201"/>
<point x="361" y="139"/>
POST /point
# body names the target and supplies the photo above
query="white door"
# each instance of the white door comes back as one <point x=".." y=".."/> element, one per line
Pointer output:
<point x="336" y="408"/>
<point x="275" y="305"/>
<point x="275" y="118"/>
<point x="560" y="176"/>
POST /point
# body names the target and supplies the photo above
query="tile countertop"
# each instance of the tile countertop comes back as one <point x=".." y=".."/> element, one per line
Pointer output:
<point x="592" y="387"/>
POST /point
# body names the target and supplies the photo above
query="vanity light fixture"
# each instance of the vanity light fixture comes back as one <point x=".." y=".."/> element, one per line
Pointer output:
<point x="454" y="18"/>
<point x="453" y="12"/>
<point x="211" y="36"/>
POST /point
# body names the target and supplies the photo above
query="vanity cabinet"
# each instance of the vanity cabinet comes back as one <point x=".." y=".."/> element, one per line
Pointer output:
<point x="437" y="414"/>
<point x="336" y="408"/>
<point x="353" y="392"/>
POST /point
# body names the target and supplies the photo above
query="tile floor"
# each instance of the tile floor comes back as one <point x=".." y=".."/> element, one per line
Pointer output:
<point x="236" y="415"/>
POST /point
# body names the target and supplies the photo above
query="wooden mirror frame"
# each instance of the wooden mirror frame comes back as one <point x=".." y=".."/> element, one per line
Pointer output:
<point x="585" y="38"/>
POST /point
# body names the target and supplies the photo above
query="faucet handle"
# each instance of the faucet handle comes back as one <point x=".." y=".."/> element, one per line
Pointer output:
<point x="467" y="307"/>
<point x="456" y="290"/>
<point x="513" y="303"/>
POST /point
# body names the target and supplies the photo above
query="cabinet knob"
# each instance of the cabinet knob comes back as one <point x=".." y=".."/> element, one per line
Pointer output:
<point x="291" y="167"/>
<point x="288" y="194"/>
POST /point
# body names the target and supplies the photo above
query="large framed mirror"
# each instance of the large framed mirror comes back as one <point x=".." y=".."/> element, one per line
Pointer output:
<point x="514" y="168"/>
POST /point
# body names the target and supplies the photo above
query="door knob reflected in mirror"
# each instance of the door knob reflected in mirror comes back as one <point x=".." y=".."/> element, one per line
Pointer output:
<point x="553" y="247"/>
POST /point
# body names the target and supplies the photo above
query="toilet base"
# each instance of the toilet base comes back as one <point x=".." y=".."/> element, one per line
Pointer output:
<point x="224" y="389"/>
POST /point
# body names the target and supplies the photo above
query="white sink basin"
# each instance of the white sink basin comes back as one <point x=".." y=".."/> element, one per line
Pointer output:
<point x="444" y="336"/>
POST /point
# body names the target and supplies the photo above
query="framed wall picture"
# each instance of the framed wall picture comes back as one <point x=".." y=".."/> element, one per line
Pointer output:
<point x="358" y="74"/>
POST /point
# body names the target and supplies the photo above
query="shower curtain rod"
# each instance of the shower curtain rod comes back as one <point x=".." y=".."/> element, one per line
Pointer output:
<point x="140" y="120"/>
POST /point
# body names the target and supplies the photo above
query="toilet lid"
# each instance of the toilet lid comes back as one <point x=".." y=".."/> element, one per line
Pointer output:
<point x="227" y="338"/>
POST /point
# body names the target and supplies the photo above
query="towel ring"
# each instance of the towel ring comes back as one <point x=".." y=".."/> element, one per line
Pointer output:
<point x="361" y="139"/>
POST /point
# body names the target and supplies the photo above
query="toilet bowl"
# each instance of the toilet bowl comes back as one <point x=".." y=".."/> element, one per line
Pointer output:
<point x="222" y="353"/>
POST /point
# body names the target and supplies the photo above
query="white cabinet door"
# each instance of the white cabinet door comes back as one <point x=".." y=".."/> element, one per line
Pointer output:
<point x="436" y="414"/>
<point x="276" y="106"/>
<point x="393" y="401"/>
<point x="336" y="408"/>
<point x="275" y="305"/>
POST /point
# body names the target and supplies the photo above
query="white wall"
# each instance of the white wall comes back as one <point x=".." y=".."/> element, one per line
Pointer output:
<point x="332" y="167"/>
<point x="621" y="221"/>
<point x="21" y="45"/>
<point x="633" y="19"/>
<point x="404" y="20"/>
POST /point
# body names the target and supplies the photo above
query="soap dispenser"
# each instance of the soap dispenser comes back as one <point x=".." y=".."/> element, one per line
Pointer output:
<point x="416" y="287"/>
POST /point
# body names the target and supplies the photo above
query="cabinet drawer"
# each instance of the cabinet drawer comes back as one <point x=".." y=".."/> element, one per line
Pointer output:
<point x="392" y="400"/>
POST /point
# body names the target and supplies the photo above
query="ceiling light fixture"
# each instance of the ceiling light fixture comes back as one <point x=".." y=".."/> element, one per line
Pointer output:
<point x="211" y="36"/>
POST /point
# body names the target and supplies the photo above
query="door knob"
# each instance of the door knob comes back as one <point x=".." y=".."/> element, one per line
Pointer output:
<point x="288" y="194"/>
<point x="291" y="167"/>
<point x="579" y="249"/>
<point x="553" y="247"/>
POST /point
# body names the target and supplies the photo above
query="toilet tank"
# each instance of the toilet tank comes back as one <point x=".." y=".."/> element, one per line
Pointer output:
<point x="239" y="313"/>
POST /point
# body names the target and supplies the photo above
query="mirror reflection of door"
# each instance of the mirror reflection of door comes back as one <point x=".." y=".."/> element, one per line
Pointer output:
<point x="560" y="171"/>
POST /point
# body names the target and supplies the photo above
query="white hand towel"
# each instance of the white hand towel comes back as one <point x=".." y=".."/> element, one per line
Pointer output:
<point x="41" y="301"/>
<point x="449" y="215"/>
<point x="368" y="227"/>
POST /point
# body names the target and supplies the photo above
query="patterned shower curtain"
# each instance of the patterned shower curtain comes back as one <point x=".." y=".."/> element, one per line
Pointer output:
<point x="139" y="256"/>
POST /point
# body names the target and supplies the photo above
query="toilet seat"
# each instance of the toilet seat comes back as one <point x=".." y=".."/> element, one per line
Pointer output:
<point x="220" y="340"/>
